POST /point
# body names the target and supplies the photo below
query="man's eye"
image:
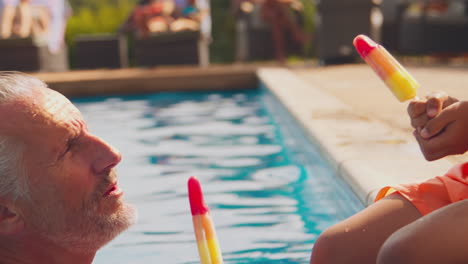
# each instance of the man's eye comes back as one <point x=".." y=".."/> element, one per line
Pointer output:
<point x="71" y="143"/>
<point x="69" y="146"/>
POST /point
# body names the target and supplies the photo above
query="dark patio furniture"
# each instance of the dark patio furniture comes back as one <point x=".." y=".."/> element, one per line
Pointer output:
<point x="338" y="22"/>
<point x="254" y="38"/>
<point x="30" y="55"/>
<point x="101" y="51"/>
<point x="168" y="49"/>
<point x="392" y="12"/>
<point x="424" y="33"/>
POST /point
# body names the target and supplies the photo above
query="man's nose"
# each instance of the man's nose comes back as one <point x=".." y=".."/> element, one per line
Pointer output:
<point x="106" y="157"/>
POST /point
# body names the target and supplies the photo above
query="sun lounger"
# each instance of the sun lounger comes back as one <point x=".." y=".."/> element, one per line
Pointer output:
<point x="29" y="55"/>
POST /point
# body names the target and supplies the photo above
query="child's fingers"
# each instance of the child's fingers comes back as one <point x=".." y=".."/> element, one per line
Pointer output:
<point x="435" y="103"/>
<point x="419" y="121"/>
<point x="435" y="125"/>
<point x="416" y="108"/>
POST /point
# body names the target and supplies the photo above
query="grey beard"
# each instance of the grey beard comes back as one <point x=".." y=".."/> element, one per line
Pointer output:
<point x="87" y="232"/>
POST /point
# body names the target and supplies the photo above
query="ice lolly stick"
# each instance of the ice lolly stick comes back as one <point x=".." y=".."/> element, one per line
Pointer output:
<point x="205" y="233"/>
<point x="395" y="76"/>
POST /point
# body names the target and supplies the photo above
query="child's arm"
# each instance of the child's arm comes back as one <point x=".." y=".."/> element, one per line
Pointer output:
<point x="441" y="125"/>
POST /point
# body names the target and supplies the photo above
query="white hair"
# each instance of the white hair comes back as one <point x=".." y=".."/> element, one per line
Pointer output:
<point x="13" y="183"/>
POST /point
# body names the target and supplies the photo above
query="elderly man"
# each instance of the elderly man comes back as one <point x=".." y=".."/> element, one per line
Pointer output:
<point x="59" y="198"/>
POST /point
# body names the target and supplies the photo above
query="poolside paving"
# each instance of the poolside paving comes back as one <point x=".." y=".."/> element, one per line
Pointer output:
<point x="358" y="87"/>
<point x="361" y="128"/>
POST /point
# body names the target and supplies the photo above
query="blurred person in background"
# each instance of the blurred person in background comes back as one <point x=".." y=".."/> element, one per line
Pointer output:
<point x="180" y="4"/>
<point x="24" y="16"/>
<point x="172" y="16"/>
<point x="246" y="13"/>
<point x="16" y="18"/>
<point x="169" y="15"/>
<point x="205" y="31"/>
<point x="277" y="14"/>
<point x="59" y="12"/>
<point x="188" y="19"/>
<point x="159" y="15"/>
<point x="7" y="13"/>
<point x="40" y="19"/>
<point x="35" y="18"/>
<point x="150" y="16"/>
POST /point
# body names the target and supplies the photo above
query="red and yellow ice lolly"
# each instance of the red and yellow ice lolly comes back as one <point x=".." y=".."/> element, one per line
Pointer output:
<point x="205" y="233"/>
<point x="400" y="82"/>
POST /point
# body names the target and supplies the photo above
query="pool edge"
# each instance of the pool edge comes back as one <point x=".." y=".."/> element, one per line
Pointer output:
<point x="150" y="80"/>
<point x="367" y="153"/>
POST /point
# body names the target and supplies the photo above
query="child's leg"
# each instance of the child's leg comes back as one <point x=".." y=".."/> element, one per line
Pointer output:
<point x="358" y="239"/>
<point x="439" y="237"/>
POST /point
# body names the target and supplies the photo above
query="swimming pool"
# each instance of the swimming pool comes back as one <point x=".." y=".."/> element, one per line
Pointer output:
<point x="269" y="190"/>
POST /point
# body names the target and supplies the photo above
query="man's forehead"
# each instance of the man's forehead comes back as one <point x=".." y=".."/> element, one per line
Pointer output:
<point x="58" y="107"/>
<point x="45" y="106"/>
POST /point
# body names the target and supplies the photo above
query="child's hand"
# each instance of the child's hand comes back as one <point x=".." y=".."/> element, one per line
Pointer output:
<point x="446" y="133"/>
<point x="422" y="110"/>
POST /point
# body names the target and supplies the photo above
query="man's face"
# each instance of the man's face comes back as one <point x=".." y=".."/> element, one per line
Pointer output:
<point x="74" y="196"/>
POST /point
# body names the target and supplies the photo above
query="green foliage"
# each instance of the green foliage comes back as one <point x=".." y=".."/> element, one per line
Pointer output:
<point x="223" y="32"/>
<point x="93" y="17"/>
<point x="308" y="25"/>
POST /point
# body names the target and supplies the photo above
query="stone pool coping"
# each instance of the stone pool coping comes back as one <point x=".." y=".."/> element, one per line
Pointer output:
<point x="150" y="80"/>
<point x="367" y="153"/>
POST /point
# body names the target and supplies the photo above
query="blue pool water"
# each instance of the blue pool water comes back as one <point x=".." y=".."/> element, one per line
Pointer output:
<point x="269" y="190"/>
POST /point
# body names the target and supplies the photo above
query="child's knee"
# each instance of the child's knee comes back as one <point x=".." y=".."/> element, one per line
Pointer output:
<point x="396" y="249"/>
<point x="328" y="246"/>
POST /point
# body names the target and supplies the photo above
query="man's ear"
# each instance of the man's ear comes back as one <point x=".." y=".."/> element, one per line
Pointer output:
<point x="10" y="221"/>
